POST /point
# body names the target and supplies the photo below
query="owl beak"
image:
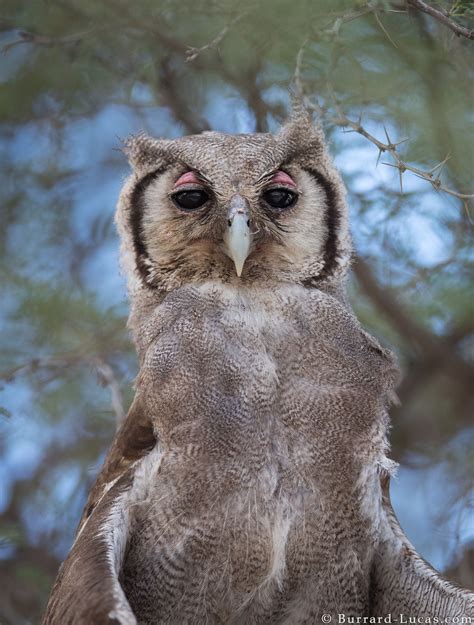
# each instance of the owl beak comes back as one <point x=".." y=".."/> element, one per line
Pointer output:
<point x="237" y="237"/>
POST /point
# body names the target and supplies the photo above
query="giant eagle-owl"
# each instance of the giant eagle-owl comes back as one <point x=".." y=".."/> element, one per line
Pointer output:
<point x="249" y="482"/>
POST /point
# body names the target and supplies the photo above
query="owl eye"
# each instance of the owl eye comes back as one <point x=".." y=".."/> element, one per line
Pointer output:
<point x="280" y="198"/>
<point x="190" y="200"/>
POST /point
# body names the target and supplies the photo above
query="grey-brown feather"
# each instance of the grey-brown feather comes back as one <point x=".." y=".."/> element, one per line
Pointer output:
<point x="245" y="484"/>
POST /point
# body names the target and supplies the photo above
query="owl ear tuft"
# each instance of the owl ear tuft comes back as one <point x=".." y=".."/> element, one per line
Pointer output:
<point x="300" y="132"/>
<point x="144" y="151"/>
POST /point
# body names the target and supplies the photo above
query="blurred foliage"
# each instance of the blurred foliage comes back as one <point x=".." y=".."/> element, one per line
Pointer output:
<point x="77" y="75"/>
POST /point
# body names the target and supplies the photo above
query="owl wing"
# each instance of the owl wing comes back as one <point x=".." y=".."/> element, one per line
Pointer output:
<point x="403" y="583"/>
<point x="87" y="589"/>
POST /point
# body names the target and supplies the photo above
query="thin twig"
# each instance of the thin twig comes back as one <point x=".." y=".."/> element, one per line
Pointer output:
<point x="107" y="377"/>
<point x="45" y="40"/>
<point x="443" y="17"/>
<point x="59" y="363"/>
<point x="348" y="17"/>
<point x="48" y="362"/>
<point x="384" y="30"/>
<point x="193" y="53"/>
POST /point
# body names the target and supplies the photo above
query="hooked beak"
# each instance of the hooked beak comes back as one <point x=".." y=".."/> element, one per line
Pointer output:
<point x="237" y="237"/>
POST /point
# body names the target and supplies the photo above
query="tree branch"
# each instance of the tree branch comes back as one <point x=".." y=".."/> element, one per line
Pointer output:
<point x="45" y="40"/>
<point x="443" y="17"/>
<point x="107" y="377"/>
<point x="172" y="97"/>
<point x="431" y="175"/>
<point x="438" y="348"/>
<point x="59" y="363"/>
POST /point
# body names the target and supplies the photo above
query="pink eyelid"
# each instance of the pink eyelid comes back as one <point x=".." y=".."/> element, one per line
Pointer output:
<point x="279" y="178"/>
<point x="283" y="178"/>
<point x="188" y="178"/>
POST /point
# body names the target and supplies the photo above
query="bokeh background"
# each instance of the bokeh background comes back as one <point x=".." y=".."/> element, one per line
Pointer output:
<point x="77" y="76"/>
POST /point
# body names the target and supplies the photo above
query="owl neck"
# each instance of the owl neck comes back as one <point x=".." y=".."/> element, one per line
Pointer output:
<point x="149" y="305"/>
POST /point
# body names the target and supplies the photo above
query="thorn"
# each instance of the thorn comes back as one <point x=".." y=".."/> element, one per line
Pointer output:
<point x="399" y="165"/>
<point x="379" y="155"/>
<point x="393" y="145"/>
<point x="387" y="34"/>
<point x="466" y="208"/>
<point x="401" y="170"/>
<point x="423" y="176"/>
<point x="401" y="141"/>
<point x="439" y="166"/>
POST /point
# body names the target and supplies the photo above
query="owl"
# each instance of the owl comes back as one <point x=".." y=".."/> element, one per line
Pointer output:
<point x="249" y="483"/>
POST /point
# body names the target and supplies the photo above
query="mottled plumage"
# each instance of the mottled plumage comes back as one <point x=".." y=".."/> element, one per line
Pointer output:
<point x="249" y="483"/>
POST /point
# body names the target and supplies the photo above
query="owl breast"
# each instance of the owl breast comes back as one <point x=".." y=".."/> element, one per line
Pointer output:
<point x="267" y="405"/>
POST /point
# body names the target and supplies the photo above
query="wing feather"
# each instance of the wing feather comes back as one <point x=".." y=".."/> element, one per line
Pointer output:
<point x="87" y="589"/>
<point x="403" y="583"/>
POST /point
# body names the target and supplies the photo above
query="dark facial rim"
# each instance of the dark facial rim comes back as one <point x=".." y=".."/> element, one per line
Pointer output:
<point x="135" y="221"/>
<point x="333" y="220"/>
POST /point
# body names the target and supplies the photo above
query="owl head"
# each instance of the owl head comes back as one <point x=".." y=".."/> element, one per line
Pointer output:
<point x="245" y="209"/>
